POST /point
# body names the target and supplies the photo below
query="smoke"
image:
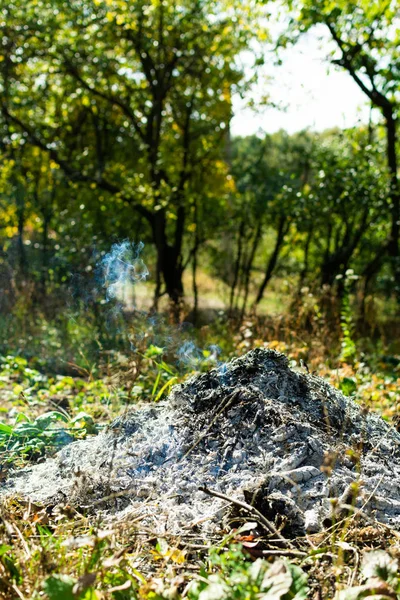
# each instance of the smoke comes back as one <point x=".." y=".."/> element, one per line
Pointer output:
<point x="189" y="355"/>
<point x="121" y="269"/>
<point x="118" y="272"/>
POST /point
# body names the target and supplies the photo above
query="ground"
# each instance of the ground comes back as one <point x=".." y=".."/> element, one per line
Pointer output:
<point x="65" y="553"/>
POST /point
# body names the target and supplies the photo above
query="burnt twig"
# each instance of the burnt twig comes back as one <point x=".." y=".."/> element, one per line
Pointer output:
<point x="226" y="403"/>
<point x="252" y="510"/>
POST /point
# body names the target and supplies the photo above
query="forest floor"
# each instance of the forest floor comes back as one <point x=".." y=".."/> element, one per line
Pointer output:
<point x="61" y="553"/>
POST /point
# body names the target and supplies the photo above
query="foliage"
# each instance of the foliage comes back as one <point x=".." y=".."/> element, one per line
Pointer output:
<point x="32" y="438"/>
<point x="115" y="118"/>
<point x="349" y="349"/>
<point x="238" y="579"/>
<point x="380" y="573"/>
<point x="365" y="40"/>
<point x="129" y="99"/>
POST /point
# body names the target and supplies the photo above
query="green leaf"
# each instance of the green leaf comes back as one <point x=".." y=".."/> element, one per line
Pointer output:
<point x="21" y="417"/>
<point x="45" y="420"/>
<point x="155" y="386"/>
<point x="27" y="430"/>
<point x="59" y="587"/>
<point x="166" y="385"/>
<point x="11" y="567"/>
<point x="299" y="588"/>
<point x="4" y="549"/>
<point x="6" y="429"/>
<point x="84" y="421"/>
<point x="153" y="351"/>
<point x="348" y="386"/>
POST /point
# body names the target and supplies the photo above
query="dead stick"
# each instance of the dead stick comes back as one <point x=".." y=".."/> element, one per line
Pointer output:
<point x="252" y="510"/>
<point x="298" y="553"/>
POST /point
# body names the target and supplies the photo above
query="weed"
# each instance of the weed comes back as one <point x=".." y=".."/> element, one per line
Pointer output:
<point x="31" y="439"/>
<point x="349" y="350"/>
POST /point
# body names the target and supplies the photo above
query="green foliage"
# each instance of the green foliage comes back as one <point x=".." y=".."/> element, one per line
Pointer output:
<point x="32" y="438"/>
<point x="380" y="574"/>
<point x="7" y="559"/>
<point x="365" y="41"/>
<point x="363" y="31"/>
<point x="137" y="101"/>
<point x="59" y="587"/>
<point x="348" y="386"/>
<point x="235" y="579"/>
<point x="349" y="350"/>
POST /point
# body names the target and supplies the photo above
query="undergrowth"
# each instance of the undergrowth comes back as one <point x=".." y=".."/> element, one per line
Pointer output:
<point x="62" y="553"/>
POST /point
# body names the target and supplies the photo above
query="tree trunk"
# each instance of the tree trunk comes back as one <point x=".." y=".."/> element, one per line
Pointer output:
<point x="370" y="271"/>
<point x="194" y="265"/>
<point x="157" y="291"/>
<point x="20" y="202"/>
<point x="304" y="271"/>
<point x="249" y="266"/>
<point x="169" y="259"/>
<point x="45" y="254"/>
<point x="393" y="246"/>
<point x="237" y="265"/>
<point x="281" y="233"/>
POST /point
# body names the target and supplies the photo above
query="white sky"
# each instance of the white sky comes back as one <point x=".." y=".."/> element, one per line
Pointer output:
<point x="316" y="95"/>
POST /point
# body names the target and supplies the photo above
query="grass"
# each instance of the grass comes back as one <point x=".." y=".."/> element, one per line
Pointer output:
<point x="63" y="553"/>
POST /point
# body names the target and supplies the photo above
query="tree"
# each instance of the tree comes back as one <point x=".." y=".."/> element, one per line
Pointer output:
<point x="343" y="204"/>
<point x="367" y="40"/>
<point x="131" y="97"/>
<point x="270" y="174"/>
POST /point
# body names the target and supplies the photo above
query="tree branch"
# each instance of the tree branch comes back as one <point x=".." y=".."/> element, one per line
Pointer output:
<point x="72" y="174"/>
<point x="345" y="61"/>
<point x="126" y="109"/>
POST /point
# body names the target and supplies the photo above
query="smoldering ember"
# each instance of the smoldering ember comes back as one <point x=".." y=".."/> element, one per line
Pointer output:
<point x="284" y="442"/>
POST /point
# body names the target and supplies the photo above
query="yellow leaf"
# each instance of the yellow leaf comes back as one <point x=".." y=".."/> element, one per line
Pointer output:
<point x="177" y="556"/>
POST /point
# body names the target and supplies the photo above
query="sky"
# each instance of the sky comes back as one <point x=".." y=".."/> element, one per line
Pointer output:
<point x="316" y="95"/>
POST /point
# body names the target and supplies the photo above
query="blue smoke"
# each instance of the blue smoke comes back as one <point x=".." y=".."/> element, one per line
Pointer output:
<point x="121" y="269"/>
<point x="191" y="356"/>
<point x="118" y="271"/>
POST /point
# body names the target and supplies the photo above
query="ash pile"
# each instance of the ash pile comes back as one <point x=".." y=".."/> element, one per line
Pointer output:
<point x="285" y="442"/>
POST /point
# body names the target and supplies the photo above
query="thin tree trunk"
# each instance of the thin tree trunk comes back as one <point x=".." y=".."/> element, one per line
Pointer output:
<point x="282" y="230"/>
<point x="194" y="266"/>
<point x="20" y="202"/>
<point x="369" y="273"/>
<point x="45" y="254"/>
<point x="157" y="291"/>
<point x="304" y="271"/>
<point x="249" y="267"/>
<point x="237" y="265"/>
<point x="393" y="246"/>
<point x="169" y="259"/>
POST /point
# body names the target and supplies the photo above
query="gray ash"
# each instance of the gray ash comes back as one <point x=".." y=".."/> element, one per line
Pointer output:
<point x="256" y="431"/>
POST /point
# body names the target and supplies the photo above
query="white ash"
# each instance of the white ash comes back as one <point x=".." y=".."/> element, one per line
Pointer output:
<point x="268" y="446"/>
